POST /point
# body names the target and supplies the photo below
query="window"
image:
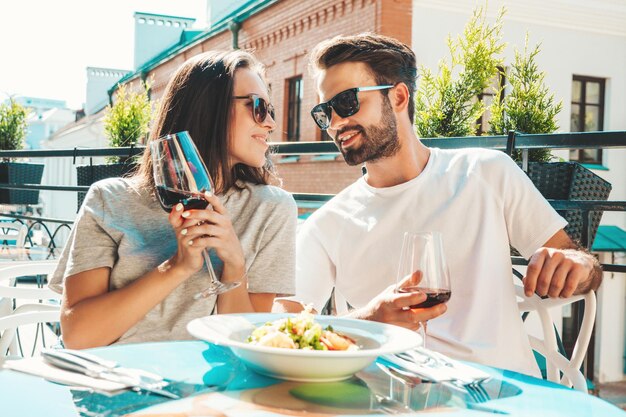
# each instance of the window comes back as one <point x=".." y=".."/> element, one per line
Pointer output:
<point x="587" y="114"/>
<point x="294" y="91"/>
<point x="497" y="82"/>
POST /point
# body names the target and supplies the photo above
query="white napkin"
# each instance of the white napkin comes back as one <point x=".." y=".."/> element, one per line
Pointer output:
<point x="37" y="366"/>
<point x="454" y="370"/>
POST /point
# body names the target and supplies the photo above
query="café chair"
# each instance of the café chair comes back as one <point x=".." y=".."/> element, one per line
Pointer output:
<point x="15" y="301"/>
<point x="559" y="368"/>
<point x="13" y="232"/>
<point x="25" y="314"/>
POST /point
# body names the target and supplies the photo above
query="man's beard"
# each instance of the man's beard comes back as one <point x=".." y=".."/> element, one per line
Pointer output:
<point x="377" y="142"/>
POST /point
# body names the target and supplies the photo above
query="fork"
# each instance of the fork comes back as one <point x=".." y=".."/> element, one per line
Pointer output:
<point x="472" y="386"/>
<point x="476" y="393"/>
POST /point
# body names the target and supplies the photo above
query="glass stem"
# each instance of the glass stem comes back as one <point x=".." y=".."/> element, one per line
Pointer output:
<point x="209" y="267"/>
<point x="215" y="287"/>
<point x="423" y="332"/>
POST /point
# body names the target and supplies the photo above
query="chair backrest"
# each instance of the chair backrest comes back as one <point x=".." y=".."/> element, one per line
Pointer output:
<point x="14" y="270"/>
<point x="556" y="362"/>
<point x="13" y="232"/>
<point x="24" y="315"/>
<point x="13" y="311"/>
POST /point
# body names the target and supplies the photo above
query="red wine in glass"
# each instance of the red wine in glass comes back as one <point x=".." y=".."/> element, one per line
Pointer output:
<point x="169" y="198"/>
<point x="423" y="268"/>
<point x="434" y="296"/>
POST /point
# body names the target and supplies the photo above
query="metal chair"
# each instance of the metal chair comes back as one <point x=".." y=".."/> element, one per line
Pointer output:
<point x="556" y="362"/>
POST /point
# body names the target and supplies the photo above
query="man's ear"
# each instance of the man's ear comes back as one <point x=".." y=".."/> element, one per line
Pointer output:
<point x="399" y="98"/>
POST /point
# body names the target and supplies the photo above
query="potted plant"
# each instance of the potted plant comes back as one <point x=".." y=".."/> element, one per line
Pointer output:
<point x="126" y="123"/>
<point x="12" y="133"/>
<point x="530" y="108"/>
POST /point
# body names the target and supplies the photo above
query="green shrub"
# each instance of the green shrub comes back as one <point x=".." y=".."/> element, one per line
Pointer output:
<point x="528" y="107"/>
<point x="127" y="122"/>
<point x="12" y="125"/>
<point x="446" y="104"/>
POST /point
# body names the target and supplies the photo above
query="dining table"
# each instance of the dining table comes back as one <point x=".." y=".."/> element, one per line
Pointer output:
<point x="212" y="381"/>
<point x="20" y="254"/>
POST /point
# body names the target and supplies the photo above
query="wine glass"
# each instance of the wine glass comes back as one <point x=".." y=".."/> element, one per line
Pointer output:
<point x="423" y="251"/>
<point x="180" y="176"/>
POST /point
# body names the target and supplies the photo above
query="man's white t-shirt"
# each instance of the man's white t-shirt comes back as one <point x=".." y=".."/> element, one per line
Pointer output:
<point x="481" y="202"/>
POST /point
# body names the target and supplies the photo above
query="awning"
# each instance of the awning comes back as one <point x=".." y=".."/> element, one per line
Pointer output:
<point x="609" y="239"/>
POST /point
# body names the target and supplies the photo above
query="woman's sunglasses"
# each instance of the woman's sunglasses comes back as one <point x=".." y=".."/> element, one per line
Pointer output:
<point x="345" y="104"/>
<point x="260" y="107"/>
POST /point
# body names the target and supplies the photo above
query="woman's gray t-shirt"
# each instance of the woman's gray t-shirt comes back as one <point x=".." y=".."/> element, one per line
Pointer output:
<point x="122" y="227"/>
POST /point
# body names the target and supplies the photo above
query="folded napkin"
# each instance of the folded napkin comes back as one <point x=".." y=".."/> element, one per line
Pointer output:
<point x="37" y="366"/>
<point x="436" y="367"/>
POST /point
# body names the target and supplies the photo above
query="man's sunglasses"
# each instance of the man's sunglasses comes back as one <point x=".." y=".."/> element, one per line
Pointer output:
<point x="260" y="107"/>
<point x="345" y="104"/>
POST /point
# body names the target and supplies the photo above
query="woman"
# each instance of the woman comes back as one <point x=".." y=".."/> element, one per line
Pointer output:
<point x="129" y="271"/>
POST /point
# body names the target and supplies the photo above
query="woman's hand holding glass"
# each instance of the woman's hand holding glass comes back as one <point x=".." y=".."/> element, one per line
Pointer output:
<point x="201" y="229"/>
<point x="181" y="177"/>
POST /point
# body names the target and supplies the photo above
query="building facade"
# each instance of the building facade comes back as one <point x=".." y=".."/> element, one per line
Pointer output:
<point x="281" y="34"/>
<point x="45" y="116"/>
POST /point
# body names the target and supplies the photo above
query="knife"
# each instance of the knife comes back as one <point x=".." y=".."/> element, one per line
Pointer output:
<point x="73" y="363"/>
<point x="114" y="367"/>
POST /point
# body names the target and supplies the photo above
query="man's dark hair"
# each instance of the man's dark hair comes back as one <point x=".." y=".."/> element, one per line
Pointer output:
<point x="389" y="60"/>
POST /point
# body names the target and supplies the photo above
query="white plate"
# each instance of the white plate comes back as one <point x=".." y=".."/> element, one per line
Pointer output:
<point x="374" y="339"/>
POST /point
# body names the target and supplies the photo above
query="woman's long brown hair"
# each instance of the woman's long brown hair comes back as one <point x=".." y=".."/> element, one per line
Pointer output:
<point x="198" y="99"/>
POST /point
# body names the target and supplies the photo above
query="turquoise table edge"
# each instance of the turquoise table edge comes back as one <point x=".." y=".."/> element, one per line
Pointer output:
<point x="179" y="361"/>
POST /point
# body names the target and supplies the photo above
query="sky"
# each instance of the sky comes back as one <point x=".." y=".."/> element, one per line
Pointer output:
<point x="46" y="45"/>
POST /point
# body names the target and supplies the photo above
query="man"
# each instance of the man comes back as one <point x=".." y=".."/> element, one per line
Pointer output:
<point x="478" y="199"/>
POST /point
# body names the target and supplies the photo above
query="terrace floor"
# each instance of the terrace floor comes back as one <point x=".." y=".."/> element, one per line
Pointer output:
<point x="613" y="392"/>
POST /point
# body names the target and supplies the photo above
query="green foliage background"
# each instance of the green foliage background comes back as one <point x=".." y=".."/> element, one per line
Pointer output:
<point x="127" y="122"/>
<point x="528" y="107"/>
<point x="12" y="125"/>
<point x="447" y="106"/>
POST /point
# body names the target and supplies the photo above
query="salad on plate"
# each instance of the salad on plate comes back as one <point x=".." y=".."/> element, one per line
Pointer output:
<point x="300" y="332"/>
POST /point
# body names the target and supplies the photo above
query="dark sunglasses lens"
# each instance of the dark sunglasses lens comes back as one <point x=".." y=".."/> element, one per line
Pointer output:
<point x="321" y="115"/>
<point x="260" y="110"/>
<point x="346" y="104"/>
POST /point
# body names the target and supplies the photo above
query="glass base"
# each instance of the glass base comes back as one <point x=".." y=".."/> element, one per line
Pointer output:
<point x="216" y="288"/>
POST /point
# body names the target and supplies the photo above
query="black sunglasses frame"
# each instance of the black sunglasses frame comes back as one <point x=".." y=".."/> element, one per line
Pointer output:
<point x="260" y="107"/>
<point x="327" y="107"/>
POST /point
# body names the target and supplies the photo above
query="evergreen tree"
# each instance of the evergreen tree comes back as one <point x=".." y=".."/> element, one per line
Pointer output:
<point x="446" y="103"/>
<point x="528" y="107"/>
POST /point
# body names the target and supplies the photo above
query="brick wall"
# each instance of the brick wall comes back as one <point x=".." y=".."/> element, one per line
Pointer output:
<point x="282" y="36"/>
<point x="310" y="176"/>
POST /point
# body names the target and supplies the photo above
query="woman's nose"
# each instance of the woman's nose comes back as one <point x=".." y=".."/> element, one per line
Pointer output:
<point x="269" y="122"/>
